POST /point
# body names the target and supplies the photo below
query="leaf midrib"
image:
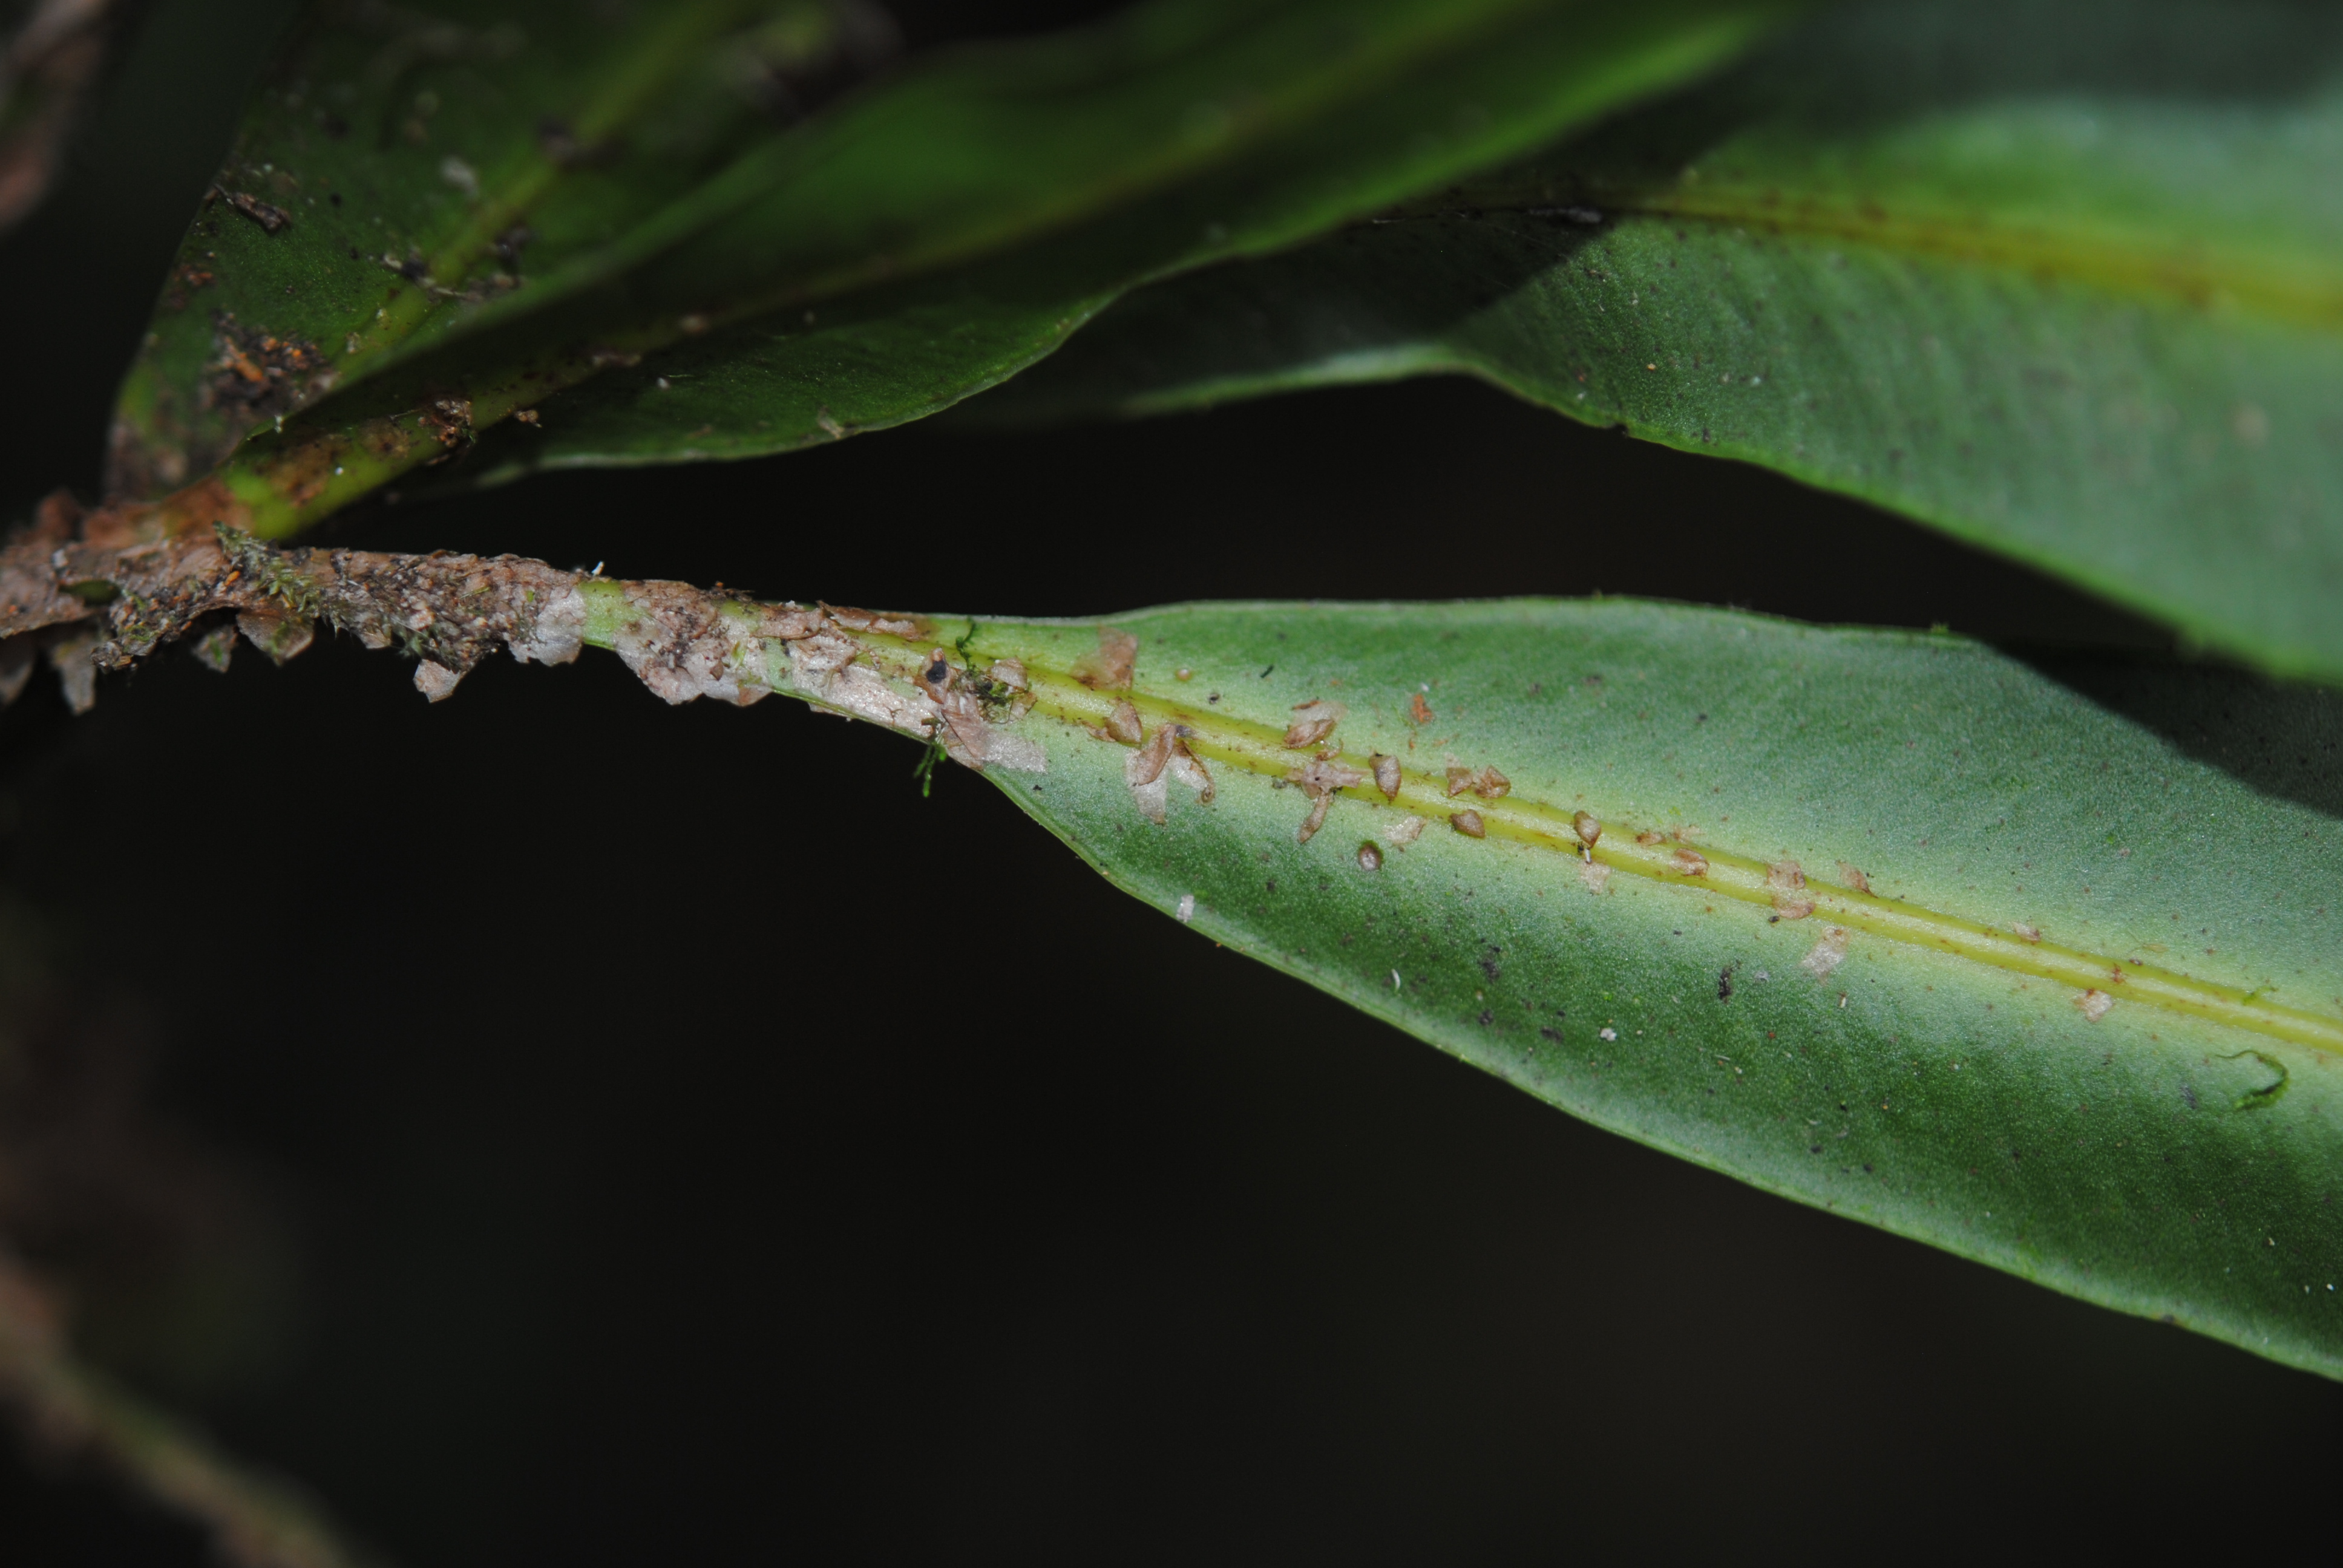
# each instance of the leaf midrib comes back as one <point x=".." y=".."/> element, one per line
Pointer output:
<point x="2109" y="259"/>
<point x="1260" y="750"/>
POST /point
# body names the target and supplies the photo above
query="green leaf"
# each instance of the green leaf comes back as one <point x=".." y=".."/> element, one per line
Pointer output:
<point x="963" y="217"/>
<point x="397" y="172"/>
<point x="2062" y="280"/>
<point x="2042" y="989"/>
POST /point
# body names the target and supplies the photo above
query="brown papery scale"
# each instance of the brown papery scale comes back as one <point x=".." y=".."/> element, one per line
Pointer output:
<point x="1386" y="775"/>
<point x="1371" y="859"/>
<point x="1469" y="824"/>
<point x="1590" y="832"/>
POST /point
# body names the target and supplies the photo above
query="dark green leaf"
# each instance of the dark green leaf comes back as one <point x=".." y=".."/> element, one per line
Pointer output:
<point x="2061" y="280"/>
<point x="1052" y="173"/>
<point x="397" y="172"/>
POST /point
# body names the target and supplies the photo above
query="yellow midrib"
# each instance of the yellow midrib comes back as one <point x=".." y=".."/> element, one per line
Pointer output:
<point x="2192" y="273"/>
<point x="1260" y="750"/>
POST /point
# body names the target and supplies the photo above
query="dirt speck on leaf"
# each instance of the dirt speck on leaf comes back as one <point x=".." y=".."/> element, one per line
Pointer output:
<point x="1109" y="668"/>
<point x="271" y="219"/>
<point x="1324" y="776"/>
<point x="260" y="372"/>
<point x="907" y="626"/>
<point x="1486" y="782"/>
<point x="1165" y="756"/>
<point x="1826" y="954"/>
<point x="1122" y="724"/>
<point x="1312" y="722"/>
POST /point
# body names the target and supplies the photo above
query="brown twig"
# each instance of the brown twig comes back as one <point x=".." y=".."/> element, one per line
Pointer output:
<point x="68" y="1413"/>
<point x="46" y="71"/>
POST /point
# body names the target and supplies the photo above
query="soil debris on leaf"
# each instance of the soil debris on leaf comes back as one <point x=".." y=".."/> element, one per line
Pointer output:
<point x="1787" y="881"/>
<point x="1826" y="954"/>
<point x="1165" y="757"/>
<point x="1486" y="782"/>
<point x="1109" y="668"/>
<point x="1121" y="724"/>
<point x="1324" y="775"/>
<point x="271" y="219"/>
<point x="261" y="374"/>
<point x="912" y="626"/>
<point x="1312" y="722"/>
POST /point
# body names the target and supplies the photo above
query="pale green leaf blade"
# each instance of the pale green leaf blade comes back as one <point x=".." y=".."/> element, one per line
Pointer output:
<point x="2084" y="1025"/>
<point x="2064" y="281"/>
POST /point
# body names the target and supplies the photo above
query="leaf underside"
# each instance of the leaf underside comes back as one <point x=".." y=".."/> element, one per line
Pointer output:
<point x="2129" y="1153"/>
<point x="2061" y="280"/>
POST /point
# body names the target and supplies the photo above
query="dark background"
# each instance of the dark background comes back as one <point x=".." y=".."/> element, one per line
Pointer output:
<point x="550" y="1126"/>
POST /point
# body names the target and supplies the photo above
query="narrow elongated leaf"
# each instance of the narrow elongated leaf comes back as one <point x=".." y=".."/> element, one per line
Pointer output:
<point x="1178" y="132"/>
<point x="1889" y="923"/>
<point x="397" y="172"/>
<point x="2063" y="280"/>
